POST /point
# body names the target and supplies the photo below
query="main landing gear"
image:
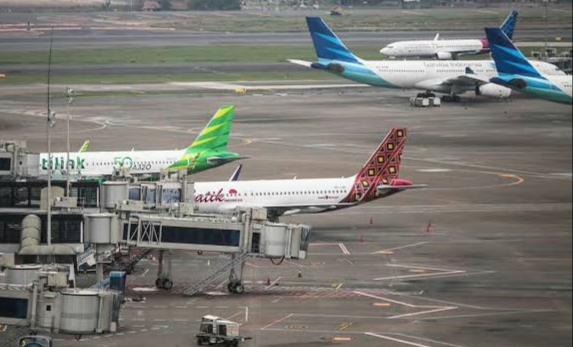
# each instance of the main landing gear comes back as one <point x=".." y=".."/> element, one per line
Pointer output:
<point x="164" y="274"/>
<point x="236" y="285"/>
<point x="452" y="98"/>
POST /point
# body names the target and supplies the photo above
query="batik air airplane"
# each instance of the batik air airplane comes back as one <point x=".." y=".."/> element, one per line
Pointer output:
<point x="448" y="77"/>
<point x="517" y="73"/>
<point x="207" y="152"/>
<point x="377" y="179"/>
<point x="447" y="49"/>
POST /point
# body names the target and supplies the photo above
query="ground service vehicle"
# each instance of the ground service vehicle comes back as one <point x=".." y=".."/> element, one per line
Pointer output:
<point x="217" y="331"/>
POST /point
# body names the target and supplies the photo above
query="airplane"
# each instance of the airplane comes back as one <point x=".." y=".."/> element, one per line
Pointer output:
<point x="447" y="77"/>
<point x="376" y="180"/>
<point x="447" y="49"/>
<point x="517" y="73"/>
<point x="207" y="152"/>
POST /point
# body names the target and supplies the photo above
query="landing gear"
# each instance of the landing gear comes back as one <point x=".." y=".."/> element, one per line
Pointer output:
<point x="236" y="285"/>
<point x="426" y="95"/>
<point x="236" y="288"/>
<point x="452" y="98"/>
<point x="164" y="274"/>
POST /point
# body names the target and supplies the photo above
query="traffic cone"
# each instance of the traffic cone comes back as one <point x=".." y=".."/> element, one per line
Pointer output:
<point x="429" y="228"/>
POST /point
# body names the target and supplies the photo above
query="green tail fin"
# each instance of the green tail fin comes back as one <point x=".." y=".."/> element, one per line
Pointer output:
<point x="215" y="136"/>
<point x="85" y="147"/>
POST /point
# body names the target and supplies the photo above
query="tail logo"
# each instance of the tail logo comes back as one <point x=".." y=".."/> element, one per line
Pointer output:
<point x="383" y="167"/>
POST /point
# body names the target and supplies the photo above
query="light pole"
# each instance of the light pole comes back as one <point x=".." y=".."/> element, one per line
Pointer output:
<point x="51" y="123"/>
<point x="69" y="94"/>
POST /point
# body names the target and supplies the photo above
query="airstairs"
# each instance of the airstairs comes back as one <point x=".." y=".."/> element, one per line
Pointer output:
<point x="235" y="285"/>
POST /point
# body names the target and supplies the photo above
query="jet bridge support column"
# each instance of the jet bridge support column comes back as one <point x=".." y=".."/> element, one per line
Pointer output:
<point x="164" y="272"/>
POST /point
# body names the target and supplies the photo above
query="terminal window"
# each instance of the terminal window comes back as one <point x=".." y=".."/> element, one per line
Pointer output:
<point x="5" y="164"/>
<point x="13" y="308"/>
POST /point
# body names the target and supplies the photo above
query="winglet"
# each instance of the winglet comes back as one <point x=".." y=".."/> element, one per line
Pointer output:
<point x="437" y="38"/>
<point x="508" y="58"/>
<point x="508" y="26"/>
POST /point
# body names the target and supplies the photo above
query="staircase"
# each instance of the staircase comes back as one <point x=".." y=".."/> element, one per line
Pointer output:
<point x="199" y="286"/>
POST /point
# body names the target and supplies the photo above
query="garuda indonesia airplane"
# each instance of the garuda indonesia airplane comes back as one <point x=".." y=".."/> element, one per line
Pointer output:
<point x="517" y="73"/>
<point x="448" y="77"/>
<point x="208" y="151"/>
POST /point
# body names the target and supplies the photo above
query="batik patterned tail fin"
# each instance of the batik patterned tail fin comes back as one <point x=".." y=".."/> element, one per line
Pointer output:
<point x="382" y="168"/>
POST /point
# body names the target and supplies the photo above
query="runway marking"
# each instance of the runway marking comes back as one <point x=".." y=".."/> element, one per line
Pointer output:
<point x="518" y="180"/>
<point x="342" y="339"/>
<point x="410" y="315"/>
<point x="429" y="340"/>
<point x="278" y="321"/>
<point x="427" y="309"/>
<point x="344" y="326"/>
<point x="344" y="249"/>
<point x="414" y="13"/>
<point x="423" y="275"/>
<point x="489" y="12"/>
<point x="392" y="250"/>
<point x="339" y="286"/>
<point x="396" y="340"/>
<point x="435" y="170"/>
<point x="233" y="316"/>
<point x="273" y="284"/>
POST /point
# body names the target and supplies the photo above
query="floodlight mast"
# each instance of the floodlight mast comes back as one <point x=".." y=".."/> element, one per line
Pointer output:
<point x="51" y="123"/>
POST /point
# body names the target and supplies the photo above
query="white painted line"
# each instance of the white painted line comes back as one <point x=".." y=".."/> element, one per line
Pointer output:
<point x="419" y="276"/>
<point x="277" y="322"/>
<point x="344" y="249"/>
<point x="435" y="170"/>
<point x="273" y="284"/>
<point x="410" y="315"/>
<point x="396" y="340"/>
<point x="429" y="340"/>
<point x="145" y="273"/>
<point x="233" y="316"/>
<point x="423" y="268"/>
<point x="247" y="313"/>
<point x="404" y="247"/>
<point x="387" y="300"/>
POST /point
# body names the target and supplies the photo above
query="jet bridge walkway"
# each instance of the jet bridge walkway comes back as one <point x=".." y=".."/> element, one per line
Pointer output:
<point x="246" y="234"/>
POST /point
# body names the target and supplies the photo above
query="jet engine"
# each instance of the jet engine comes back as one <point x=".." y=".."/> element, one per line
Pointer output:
<point x="493" y="91"/>
<point x="444" y="56"/>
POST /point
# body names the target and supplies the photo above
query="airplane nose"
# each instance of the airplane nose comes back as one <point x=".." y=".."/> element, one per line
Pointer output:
<point x="385" y="51"/>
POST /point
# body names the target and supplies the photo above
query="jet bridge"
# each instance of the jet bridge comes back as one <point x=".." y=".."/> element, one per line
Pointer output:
<point x="245" y="234"/>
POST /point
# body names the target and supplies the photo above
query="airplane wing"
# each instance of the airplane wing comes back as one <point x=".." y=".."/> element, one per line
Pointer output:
<point x="301" y="62"/>
<point x="470" y="79"/>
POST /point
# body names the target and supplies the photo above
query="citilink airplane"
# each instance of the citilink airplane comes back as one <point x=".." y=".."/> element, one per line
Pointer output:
<point x="207" y="152"/>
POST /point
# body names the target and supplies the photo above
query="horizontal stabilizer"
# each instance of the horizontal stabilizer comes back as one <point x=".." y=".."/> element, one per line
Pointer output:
<point x="385" y="189"/>
<point x="301" y="62"/>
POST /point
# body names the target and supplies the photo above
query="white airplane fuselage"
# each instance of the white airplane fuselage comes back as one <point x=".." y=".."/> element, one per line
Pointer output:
<point x="99" y="164"/>
<point x="440" y="49"/>
<point x="314" y="194"/>
<point x="424" y="75"/>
